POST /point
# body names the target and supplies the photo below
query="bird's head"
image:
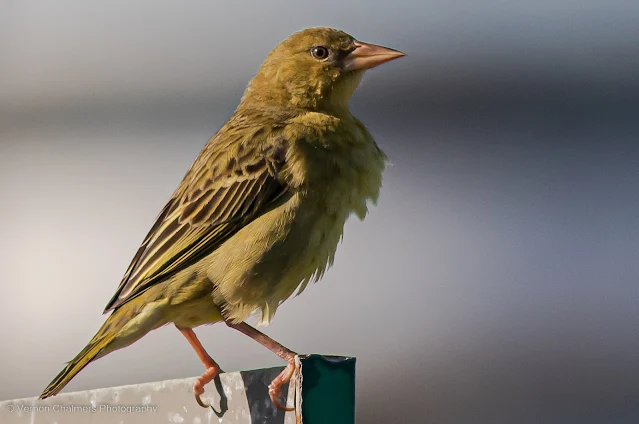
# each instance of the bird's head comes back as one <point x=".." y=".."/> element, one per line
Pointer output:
<point x="314" y="69"/>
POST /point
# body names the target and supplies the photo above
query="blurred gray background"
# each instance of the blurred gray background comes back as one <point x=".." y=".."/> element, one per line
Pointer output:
<point x="497" y="280"/>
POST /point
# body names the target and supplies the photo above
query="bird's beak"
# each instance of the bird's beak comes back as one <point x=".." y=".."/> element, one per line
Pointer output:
<point x="367" y="56"/>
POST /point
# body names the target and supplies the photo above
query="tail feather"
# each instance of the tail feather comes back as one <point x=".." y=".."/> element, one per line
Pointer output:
<point x="108" y="338"/>
<point x="88" y="354"/>
<point x="124" y="326"/>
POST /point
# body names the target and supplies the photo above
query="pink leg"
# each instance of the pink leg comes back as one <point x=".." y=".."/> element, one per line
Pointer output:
<point x="212" y="368"/>
<point x="275" y="388"/>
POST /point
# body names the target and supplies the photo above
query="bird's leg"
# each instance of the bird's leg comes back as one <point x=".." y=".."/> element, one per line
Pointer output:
<point x="211" y="367"/>
<point x="275" y="388"/>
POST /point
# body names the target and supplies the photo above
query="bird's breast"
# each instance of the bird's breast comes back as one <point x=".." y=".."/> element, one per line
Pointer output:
<point x="343" y="172"/>
<point x="294" y="243"/>
<point x="341" y="179"/>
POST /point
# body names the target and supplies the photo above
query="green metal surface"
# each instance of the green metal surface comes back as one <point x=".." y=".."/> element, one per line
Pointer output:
<point x="328" y="389"/>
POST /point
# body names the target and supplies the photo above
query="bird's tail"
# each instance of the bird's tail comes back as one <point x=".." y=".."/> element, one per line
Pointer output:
<point x="108" y="338"/>
<point x="101" y="340"/>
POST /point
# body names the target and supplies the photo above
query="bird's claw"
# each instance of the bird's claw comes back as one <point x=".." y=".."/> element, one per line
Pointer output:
<point x="275" y="388"/>
<point x="200" y="401"/>
<point x="274" y="393"/>
<point x="200" y="382"/>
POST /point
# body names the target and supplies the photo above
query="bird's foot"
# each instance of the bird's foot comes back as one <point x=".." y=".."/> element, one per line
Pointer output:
<point x="275" y="388"/>
<point x="200" y="382"/>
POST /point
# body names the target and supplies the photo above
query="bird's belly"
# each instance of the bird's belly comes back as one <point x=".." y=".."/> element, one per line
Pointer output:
<point x="270" y="258"/>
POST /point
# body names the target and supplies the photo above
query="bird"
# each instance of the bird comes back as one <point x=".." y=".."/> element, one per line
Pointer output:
<point x="260" y="212"/>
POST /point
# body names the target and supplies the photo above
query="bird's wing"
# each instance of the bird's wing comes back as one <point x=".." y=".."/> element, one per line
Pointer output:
<point x="227" y="187"/>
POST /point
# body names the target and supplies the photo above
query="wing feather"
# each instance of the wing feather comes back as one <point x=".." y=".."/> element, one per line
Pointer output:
<point x="219" y="195"/>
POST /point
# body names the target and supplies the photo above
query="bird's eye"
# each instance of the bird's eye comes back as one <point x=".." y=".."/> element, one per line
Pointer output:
<point x="320" y="52"/>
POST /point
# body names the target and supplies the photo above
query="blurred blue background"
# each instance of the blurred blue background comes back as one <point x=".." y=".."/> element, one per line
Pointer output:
<point x="497" y="280"/>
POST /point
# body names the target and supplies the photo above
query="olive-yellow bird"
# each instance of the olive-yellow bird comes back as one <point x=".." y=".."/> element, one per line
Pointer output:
<point x="260" y="212"/>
